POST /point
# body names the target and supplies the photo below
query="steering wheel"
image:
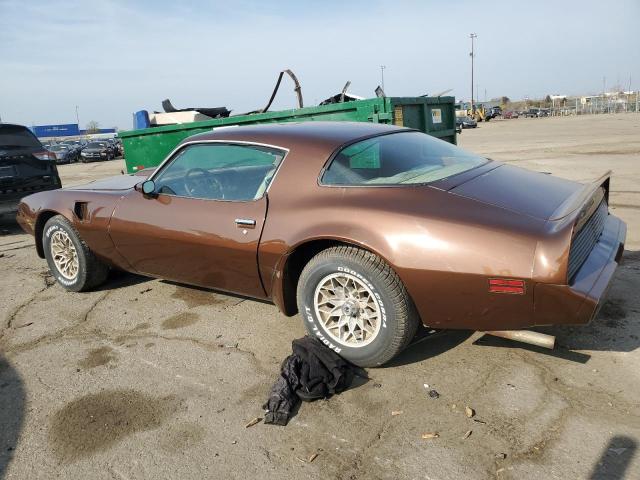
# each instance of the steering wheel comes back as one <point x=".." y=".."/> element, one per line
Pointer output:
<point x="204" y="184"/>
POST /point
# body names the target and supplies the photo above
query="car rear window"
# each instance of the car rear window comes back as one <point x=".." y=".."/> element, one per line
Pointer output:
<point x="402" y="158"/>
<point x="17" y="136"/>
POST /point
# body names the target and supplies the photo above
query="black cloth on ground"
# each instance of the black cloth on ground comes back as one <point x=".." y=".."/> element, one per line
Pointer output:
<point x="313" y="371"/>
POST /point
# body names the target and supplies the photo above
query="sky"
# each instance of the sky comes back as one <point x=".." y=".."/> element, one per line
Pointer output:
<point x="114" y="57"/>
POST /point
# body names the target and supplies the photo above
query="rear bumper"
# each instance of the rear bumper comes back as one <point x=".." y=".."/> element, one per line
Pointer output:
<point x="8" y="207"/>
<point x="9" y="202"/>
<point x="580" y="302"/>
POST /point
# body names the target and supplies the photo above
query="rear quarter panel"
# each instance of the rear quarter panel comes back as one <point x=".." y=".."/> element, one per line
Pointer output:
<point x="443" y="247"/>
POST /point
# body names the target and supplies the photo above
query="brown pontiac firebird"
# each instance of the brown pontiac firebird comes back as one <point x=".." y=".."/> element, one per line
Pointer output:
<point x="365" y="229"/>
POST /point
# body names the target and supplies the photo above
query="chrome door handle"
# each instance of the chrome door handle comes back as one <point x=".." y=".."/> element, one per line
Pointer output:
<point x="245" y="223"/>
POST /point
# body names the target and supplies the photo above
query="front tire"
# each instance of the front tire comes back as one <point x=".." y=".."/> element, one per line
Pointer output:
<point x="353" y="302"/>
<point x="73" y="265"/>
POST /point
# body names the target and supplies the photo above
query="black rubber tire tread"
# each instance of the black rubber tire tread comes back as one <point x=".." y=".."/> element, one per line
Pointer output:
<point x="406" y="315"/>
<point x="94" y="272"/>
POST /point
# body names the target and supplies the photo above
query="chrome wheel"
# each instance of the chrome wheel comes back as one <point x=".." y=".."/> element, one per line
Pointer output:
<point x="64" y="254"/>
<point x="347" y="309"/>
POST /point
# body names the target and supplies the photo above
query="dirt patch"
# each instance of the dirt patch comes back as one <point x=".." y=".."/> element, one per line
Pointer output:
<point x="96" y="422"/>
<point x="630" y="151"/>
<point x="180" y="321"/>
<point x="97" y="357"/>
<point x="612" y="310"/>
<point x="625" y="205"/>
<point x="195" y="297"/>
<point x="182" y="437"/>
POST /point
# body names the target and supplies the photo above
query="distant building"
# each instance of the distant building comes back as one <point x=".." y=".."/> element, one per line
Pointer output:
<point x="66" y="130"/>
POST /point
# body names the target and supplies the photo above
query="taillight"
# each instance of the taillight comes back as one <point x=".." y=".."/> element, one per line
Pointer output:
<point x="46" y="155"/>
<point x="504" y="285"/>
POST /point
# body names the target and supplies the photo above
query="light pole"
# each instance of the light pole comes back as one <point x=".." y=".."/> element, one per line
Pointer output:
<point x="77" y="117"/>
<point x="472" y="36"/>
<point x="382" y="67"/>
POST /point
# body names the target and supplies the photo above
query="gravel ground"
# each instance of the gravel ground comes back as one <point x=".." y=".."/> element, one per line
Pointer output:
<point x="149" y="379"/>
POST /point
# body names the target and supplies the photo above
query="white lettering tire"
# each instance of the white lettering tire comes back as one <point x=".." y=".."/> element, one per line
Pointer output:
<point x="89" y="271"/>
<point x="338" y="283"/>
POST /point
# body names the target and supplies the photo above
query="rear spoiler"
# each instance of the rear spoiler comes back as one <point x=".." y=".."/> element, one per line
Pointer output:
<point x="581" y="197"/>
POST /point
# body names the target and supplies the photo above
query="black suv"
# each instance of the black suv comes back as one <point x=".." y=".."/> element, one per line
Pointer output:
<point x="26" y="167"/>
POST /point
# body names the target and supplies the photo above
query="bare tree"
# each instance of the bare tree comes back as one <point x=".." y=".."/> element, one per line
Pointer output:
<point x="93" y="127"/>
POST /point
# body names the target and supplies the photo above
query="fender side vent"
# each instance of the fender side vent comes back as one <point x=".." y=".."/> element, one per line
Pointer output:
<point x="80" y="209"/>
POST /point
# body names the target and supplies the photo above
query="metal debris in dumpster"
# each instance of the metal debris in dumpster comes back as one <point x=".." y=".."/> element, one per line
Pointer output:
<point x="144" y="148"/>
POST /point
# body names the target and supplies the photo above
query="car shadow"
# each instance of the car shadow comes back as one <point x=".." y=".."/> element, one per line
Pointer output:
<point x="121" y="279"/>
<point x="429" y="343"/>
<point x="12" y="412"/>
<point x="217" y="292"/>
<point x="558" y="352"/>
<point x="9" y="226"/>
<point x="616" y="328"/>
<point x="615" y="459"/>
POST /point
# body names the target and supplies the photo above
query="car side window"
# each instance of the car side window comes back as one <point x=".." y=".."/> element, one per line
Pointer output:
<point x="400" y="158"/>
<point x="216" y="171"/>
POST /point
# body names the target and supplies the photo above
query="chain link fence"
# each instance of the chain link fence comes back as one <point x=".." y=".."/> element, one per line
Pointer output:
<point x="594" y="105"/>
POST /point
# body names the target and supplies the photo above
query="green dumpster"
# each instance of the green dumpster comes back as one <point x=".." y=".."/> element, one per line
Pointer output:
<point x="433" y="115"/>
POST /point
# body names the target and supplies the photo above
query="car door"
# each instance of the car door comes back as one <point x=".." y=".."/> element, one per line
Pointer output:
<point x="202" y="223"/>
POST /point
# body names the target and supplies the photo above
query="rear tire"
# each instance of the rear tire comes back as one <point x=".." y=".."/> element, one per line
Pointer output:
<point x="353" y="302"/>
<point x="73" y="265"/>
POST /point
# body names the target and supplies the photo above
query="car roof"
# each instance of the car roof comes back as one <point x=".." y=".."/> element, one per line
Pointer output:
<point x="13" y="126"/>
<point x="327" y="135"/>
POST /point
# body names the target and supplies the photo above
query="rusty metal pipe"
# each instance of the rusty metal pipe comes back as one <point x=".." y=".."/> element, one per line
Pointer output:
<point x="526" y="336"/>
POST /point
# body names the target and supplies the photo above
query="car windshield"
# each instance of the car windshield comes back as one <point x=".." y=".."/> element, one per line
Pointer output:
<point x="58" y="148"/>
<point x="96" y="145"/>
<point x="403" y="158"/>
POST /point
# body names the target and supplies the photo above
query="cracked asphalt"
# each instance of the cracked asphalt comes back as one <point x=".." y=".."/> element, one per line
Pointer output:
<point x="149" y="379"/>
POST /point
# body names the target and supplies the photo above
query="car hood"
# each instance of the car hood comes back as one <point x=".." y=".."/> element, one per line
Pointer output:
<point x="522" y="191"/>
<point x="94" y="150"/>
<point x="119" y="182"/>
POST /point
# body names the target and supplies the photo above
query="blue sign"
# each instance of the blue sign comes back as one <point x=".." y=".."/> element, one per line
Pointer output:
<point x="66" y="130"/>
<point x="100" y="130"/>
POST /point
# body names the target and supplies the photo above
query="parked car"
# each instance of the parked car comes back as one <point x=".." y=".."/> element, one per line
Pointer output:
<point x="95" y="152"/>
<point x="510" y="114"/>
<point x="531" y="113"/>
<point x="119" y="148"/>
<point x="74" y="145"/>
<point x="371" y="230"/>
<point x="25" y="167"/>
<point x="496" y="112"/>
<point x="64" y="153"/>
<point x="111" y="145"/>
<point x="466" y="122"/>
<point x="543" y="112"/>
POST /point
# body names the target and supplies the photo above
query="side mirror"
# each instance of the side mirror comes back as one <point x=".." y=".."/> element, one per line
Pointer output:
<point x="147" y="188"/>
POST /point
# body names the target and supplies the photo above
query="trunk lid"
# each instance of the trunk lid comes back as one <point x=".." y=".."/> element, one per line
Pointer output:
<point x="535" y="194"/>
